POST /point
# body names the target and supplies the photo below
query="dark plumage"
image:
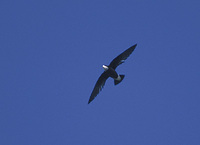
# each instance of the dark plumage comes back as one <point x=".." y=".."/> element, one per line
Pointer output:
<point x="110" y="72"/>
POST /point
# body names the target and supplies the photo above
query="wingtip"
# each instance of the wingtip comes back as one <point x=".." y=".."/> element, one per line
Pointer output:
<point x="89" y="101"/>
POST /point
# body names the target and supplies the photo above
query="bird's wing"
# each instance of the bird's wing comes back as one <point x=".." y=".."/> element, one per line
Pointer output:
<point x="122" y="57"/>
<point x="99" y="85"/>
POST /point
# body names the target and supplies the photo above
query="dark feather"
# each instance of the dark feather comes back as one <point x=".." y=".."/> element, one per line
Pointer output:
<point x="99" y="85"/>
<point x="122" y="57"/>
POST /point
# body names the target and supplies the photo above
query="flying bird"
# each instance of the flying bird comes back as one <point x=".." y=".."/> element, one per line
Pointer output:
<point x="109" y="71"/>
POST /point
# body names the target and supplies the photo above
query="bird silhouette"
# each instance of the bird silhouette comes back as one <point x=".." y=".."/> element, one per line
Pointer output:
<point x="109" y="71"/>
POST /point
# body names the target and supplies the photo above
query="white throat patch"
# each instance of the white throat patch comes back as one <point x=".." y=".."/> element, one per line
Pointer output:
<point x="105" y="67"/>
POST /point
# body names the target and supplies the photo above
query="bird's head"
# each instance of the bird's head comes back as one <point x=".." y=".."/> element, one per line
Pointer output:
<point x="105" y="67"/>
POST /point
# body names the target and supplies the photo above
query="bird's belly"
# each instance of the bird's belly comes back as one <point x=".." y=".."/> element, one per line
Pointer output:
<point x="113" y="74"/>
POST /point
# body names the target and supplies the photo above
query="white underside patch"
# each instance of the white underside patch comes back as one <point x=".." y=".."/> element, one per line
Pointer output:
<point x="118" y="78"/>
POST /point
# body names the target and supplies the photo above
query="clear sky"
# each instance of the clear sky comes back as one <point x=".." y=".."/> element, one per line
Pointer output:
<point x="51" y="55"/>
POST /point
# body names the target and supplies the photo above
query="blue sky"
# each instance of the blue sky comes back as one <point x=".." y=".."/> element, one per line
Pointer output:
<point x="51" y="55"/>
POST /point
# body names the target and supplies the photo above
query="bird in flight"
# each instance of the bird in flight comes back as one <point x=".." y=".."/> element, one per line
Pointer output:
<point x="109" y="71"/>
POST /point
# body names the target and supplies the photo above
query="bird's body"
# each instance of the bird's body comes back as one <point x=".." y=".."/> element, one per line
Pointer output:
<point x="109" y="71"/>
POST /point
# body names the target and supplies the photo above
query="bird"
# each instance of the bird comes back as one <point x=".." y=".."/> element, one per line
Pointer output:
<point x="109" y="71"/>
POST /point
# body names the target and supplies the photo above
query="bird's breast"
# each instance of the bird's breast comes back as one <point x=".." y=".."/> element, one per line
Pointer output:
<point x="112" y="73"/>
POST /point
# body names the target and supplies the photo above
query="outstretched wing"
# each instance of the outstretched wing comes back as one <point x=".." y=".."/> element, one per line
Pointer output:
<point x="99" y="85"/>
<point x="122" y="57"/>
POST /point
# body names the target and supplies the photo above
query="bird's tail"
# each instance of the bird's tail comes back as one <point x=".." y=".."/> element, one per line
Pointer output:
<point x="117" y="82"/>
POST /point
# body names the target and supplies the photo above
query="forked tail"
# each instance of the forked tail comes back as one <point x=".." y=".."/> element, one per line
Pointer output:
<point x="117" y="82"/>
